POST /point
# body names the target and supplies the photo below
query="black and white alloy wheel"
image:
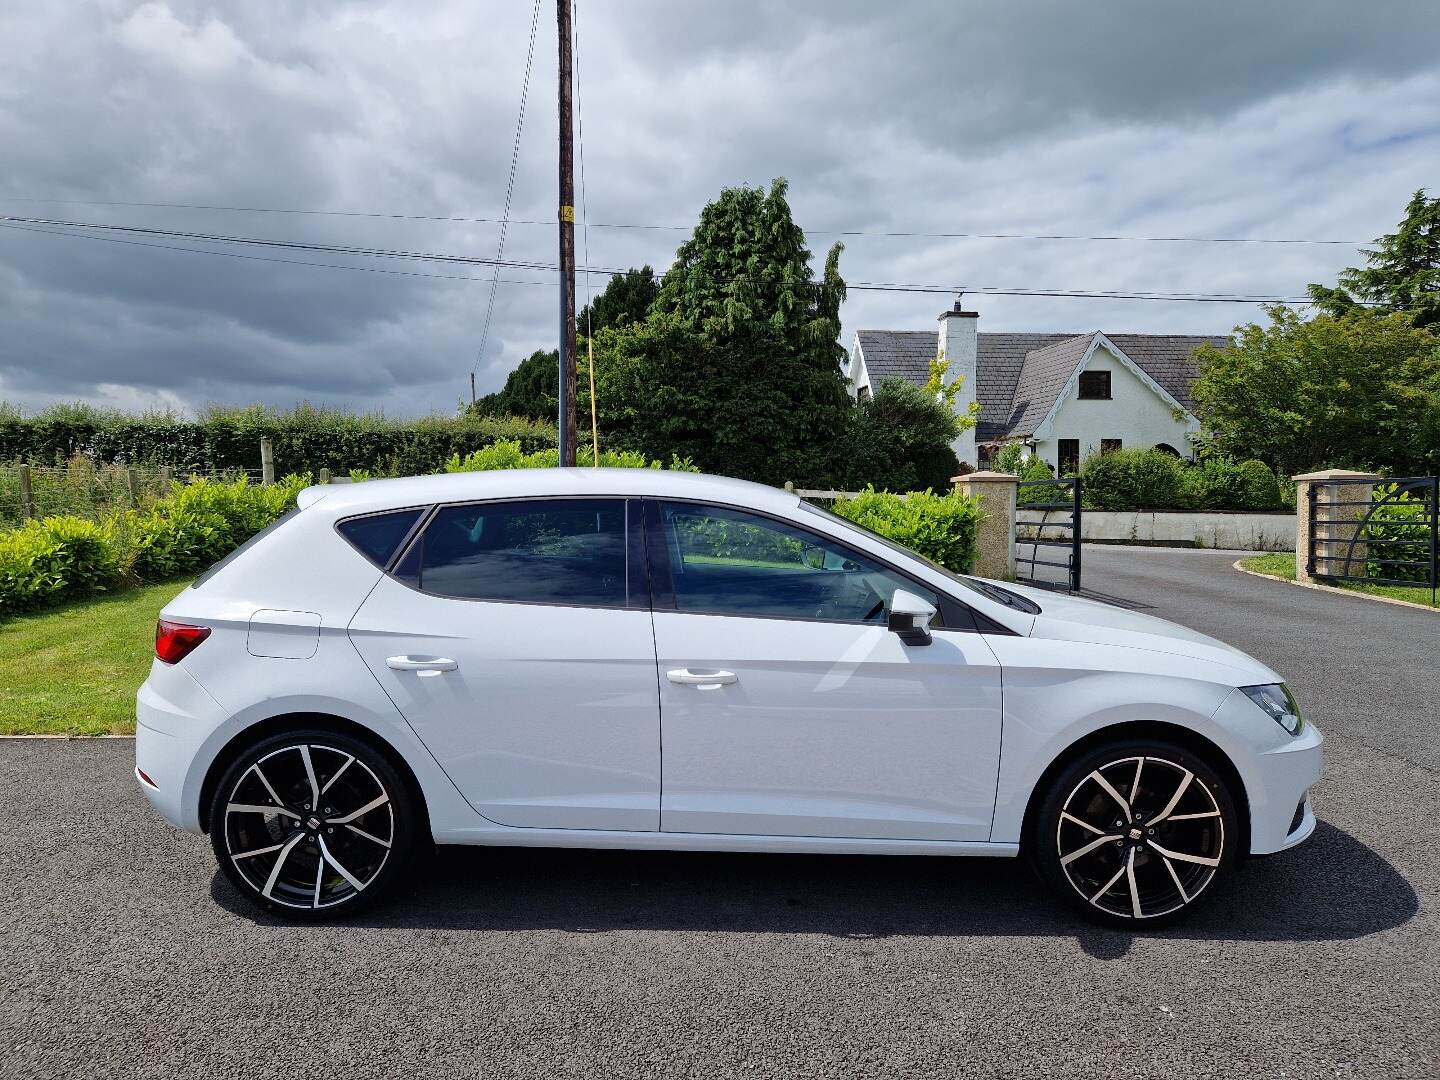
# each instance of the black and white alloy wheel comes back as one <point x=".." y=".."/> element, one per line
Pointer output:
<point x="311" y="825"/>
<point x="1136" y="833"/>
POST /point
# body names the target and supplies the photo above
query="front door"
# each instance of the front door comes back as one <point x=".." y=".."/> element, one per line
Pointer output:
<point x="515" y="638"/>
<point x="787" y="707"/>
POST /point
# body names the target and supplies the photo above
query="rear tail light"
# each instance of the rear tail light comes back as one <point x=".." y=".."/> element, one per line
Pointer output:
<point x="174" y="641"/>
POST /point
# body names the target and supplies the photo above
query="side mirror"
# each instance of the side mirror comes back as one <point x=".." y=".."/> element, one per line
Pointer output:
<point x="910" y="616"/>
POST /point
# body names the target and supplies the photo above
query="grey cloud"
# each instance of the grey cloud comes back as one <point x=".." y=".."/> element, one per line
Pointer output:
<point x="1283" y="118"/>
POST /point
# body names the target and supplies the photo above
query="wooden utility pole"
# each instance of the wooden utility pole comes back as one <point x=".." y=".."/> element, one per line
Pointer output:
<point x="567" y="246"/>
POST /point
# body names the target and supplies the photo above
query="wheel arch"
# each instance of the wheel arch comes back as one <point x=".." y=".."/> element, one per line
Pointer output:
<point x="291" y="721"/>
<point x="1186" y="738"/>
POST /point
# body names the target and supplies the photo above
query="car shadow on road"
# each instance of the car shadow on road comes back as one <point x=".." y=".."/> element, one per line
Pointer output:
<point x="1332" y="888"/>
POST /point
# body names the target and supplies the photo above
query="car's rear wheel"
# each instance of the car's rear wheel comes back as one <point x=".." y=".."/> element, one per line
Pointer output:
<point x="312" y="824"/>
<point x="1136" y="833"/>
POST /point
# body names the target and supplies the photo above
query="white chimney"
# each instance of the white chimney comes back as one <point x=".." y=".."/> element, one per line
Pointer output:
<point x="959" y="342"/>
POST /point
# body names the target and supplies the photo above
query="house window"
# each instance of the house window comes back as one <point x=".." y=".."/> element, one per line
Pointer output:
<point x="1095" y="386"/>
<point x="863" y="394"/>
<point x="1069" y="457"/>
<point x="1109" y="446"/>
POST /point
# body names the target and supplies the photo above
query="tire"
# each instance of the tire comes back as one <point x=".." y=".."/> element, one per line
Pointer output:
<point x="1138" y="873"/>
<point x="307" y="861"/>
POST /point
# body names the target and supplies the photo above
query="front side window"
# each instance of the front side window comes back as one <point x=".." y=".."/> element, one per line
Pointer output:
<point x="545" y="551"/>
<point x="728" y="562"/>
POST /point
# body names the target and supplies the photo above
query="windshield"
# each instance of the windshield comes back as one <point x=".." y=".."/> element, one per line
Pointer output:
<point x="984" y="588"/>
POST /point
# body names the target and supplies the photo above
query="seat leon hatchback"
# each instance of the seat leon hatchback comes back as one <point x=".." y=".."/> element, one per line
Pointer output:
<point x="628" y="658"/>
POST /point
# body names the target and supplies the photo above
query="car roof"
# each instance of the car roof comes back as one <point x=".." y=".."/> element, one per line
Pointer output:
<point x="369" y="495"/>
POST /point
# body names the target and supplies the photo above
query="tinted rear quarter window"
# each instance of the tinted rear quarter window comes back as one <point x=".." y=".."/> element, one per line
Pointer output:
<point x="377" y="536"/>
<point x="543" y="551"/>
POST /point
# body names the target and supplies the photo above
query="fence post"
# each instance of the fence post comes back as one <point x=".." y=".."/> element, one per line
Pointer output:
<point x="132" y="488"/>
<point x="1334" y="525"/>
<point x="995" y="536"/>
<point x="325" y="476"/>
<point x="267" y="462"/>
<point x="166" y="479"/>
<point x="790" y="486"/>
<point x="27" y="493"/>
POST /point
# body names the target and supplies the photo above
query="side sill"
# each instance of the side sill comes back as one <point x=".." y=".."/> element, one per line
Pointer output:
<point x="659" y="841"/>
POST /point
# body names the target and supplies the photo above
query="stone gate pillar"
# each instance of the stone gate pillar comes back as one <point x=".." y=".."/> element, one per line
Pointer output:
<point x="995" y="537"/>
<point x="1333" y="531"/>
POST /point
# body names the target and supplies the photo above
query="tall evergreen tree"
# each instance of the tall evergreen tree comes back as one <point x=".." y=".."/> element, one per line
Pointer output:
<point x="625" y="301"/>
<point x="1403" y="274"/>
<point x="739" y="364"/>
<point x="532" y="389"/>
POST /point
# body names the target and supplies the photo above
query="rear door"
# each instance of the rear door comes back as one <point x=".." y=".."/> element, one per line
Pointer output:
<point x="515" y="637"/>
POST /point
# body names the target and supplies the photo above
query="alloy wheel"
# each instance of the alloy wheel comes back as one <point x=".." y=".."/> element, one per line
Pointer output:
<point x="1140" y="837"/>
<point x="309" y="826"/>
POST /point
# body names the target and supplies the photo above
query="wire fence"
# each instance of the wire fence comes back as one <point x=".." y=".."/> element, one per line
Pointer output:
<point x="87" y="489"/>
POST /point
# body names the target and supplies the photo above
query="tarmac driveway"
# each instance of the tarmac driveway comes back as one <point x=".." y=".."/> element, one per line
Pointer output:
<point x="123" y="953"/>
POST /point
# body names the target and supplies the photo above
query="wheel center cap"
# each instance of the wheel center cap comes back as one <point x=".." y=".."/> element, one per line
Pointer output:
<point x="1136" y="834"/>
<point x="312" y="823"/>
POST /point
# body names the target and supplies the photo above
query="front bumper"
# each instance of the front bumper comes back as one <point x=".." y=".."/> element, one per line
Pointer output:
<point x="1278" y="770"/>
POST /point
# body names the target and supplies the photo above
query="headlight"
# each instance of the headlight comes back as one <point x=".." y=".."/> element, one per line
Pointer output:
<point x="1277" y="700"/>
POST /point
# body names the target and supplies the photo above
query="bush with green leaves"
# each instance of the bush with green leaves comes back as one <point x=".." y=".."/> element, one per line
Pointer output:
<point x="1223" y="484"/>
<point x="53" y="559"/>
<point x="64" y="557"/>
<point x="941" y="527"/>
<point x="897" y="440"/>
<point x="1132" y="480"/>
<point x="509" y="454"/>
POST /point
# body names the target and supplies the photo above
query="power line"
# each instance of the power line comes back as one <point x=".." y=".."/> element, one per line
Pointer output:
<point x="31" y="224"/>
<point x="509" y="187"/>
<point x="899" y="233"/>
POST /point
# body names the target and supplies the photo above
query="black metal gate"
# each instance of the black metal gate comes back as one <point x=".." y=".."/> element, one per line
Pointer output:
<point x="1047" y="530"/>
<point x="1391" y="538"/>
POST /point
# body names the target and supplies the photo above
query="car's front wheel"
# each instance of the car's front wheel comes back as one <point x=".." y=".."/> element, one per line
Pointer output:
<point x="1136" y="833"/>
<point x="312" y="824"/>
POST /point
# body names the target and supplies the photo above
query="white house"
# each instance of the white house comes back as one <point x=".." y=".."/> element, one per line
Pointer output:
<point x="1063" y="396"/>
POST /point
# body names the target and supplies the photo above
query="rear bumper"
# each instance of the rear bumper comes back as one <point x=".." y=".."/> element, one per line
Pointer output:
<point x="174" y="718"/>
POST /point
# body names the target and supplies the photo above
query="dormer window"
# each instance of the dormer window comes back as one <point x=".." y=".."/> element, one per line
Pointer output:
<point x="1095" y="386"/>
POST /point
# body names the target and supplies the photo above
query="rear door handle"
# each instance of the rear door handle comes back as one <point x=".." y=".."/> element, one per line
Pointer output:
<point x="424" y="666"/>
<point x="702" y="680"/>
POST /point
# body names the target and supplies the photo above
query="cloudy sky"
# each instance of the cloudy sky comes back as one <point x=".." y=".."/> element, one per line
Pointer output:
<point x="1304" y="120"/>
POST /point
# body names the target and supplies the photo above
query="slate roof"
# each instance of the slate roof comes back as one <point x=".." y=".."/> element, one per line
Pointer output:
<point x="1019" y="376"/>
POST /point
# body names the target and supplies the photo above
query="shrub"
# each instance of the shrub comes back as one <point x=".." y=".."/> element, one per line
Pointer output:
<point x="1132" y="480"/>
<point x="54" y="559"/>
<point x="897" y="440"/>
<point x="508" y="454"/>
<point x="939" y="527"/>
<point x="1221" y="484"/>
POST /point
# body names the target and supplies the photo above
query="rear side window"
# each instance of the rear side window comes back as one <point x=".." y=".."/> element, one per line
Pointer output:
<point x="376" y="536"/>
<point x="544" y="551"/>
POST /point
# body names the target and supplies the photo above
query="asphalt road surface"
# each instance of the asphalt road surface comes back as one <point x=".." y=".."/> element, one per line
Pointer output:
<point x="122" y="953"/>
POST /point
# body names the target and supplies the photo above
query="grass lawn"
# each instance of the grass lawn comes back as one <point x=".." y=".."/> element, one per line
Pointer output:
<point x="74" y="670"/>
<point x="1282" y="565"/>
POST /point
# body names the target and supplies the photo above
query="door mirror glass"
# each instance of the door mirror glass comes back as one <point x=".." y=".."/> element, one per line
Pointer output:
<point x="910" y="617"/>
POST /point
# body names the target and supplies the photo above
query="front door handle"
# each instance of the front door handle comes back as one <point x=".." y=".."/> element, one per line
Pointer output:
<point x="702" y="680"/>
<point x="424" y="666"/>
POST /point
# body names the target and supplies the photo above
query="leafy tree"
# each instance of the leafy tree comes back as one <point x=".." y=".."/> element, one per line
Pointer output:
<point x="738" y="365"/>
<point x="898" y="440"/>
<point x="1360" y="388"/>
<point x="532" y="389"/>
<point x="625" y="301"/>
<point x="1404" y="270"/>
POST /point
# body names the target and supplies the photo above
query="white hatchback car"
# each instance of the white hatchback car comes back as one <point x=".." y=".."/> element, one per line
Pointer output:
<point x="642" y="659"/>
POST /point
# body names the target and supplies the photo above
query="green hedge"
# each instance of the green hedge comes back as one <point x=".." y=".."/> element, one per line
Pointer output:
<point x="940" y="527"/>
<point x="305" y="439"/>
<point x="511" y="454"/>
<point x="64" y="557"/>
<point x="1154" y="480"/>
